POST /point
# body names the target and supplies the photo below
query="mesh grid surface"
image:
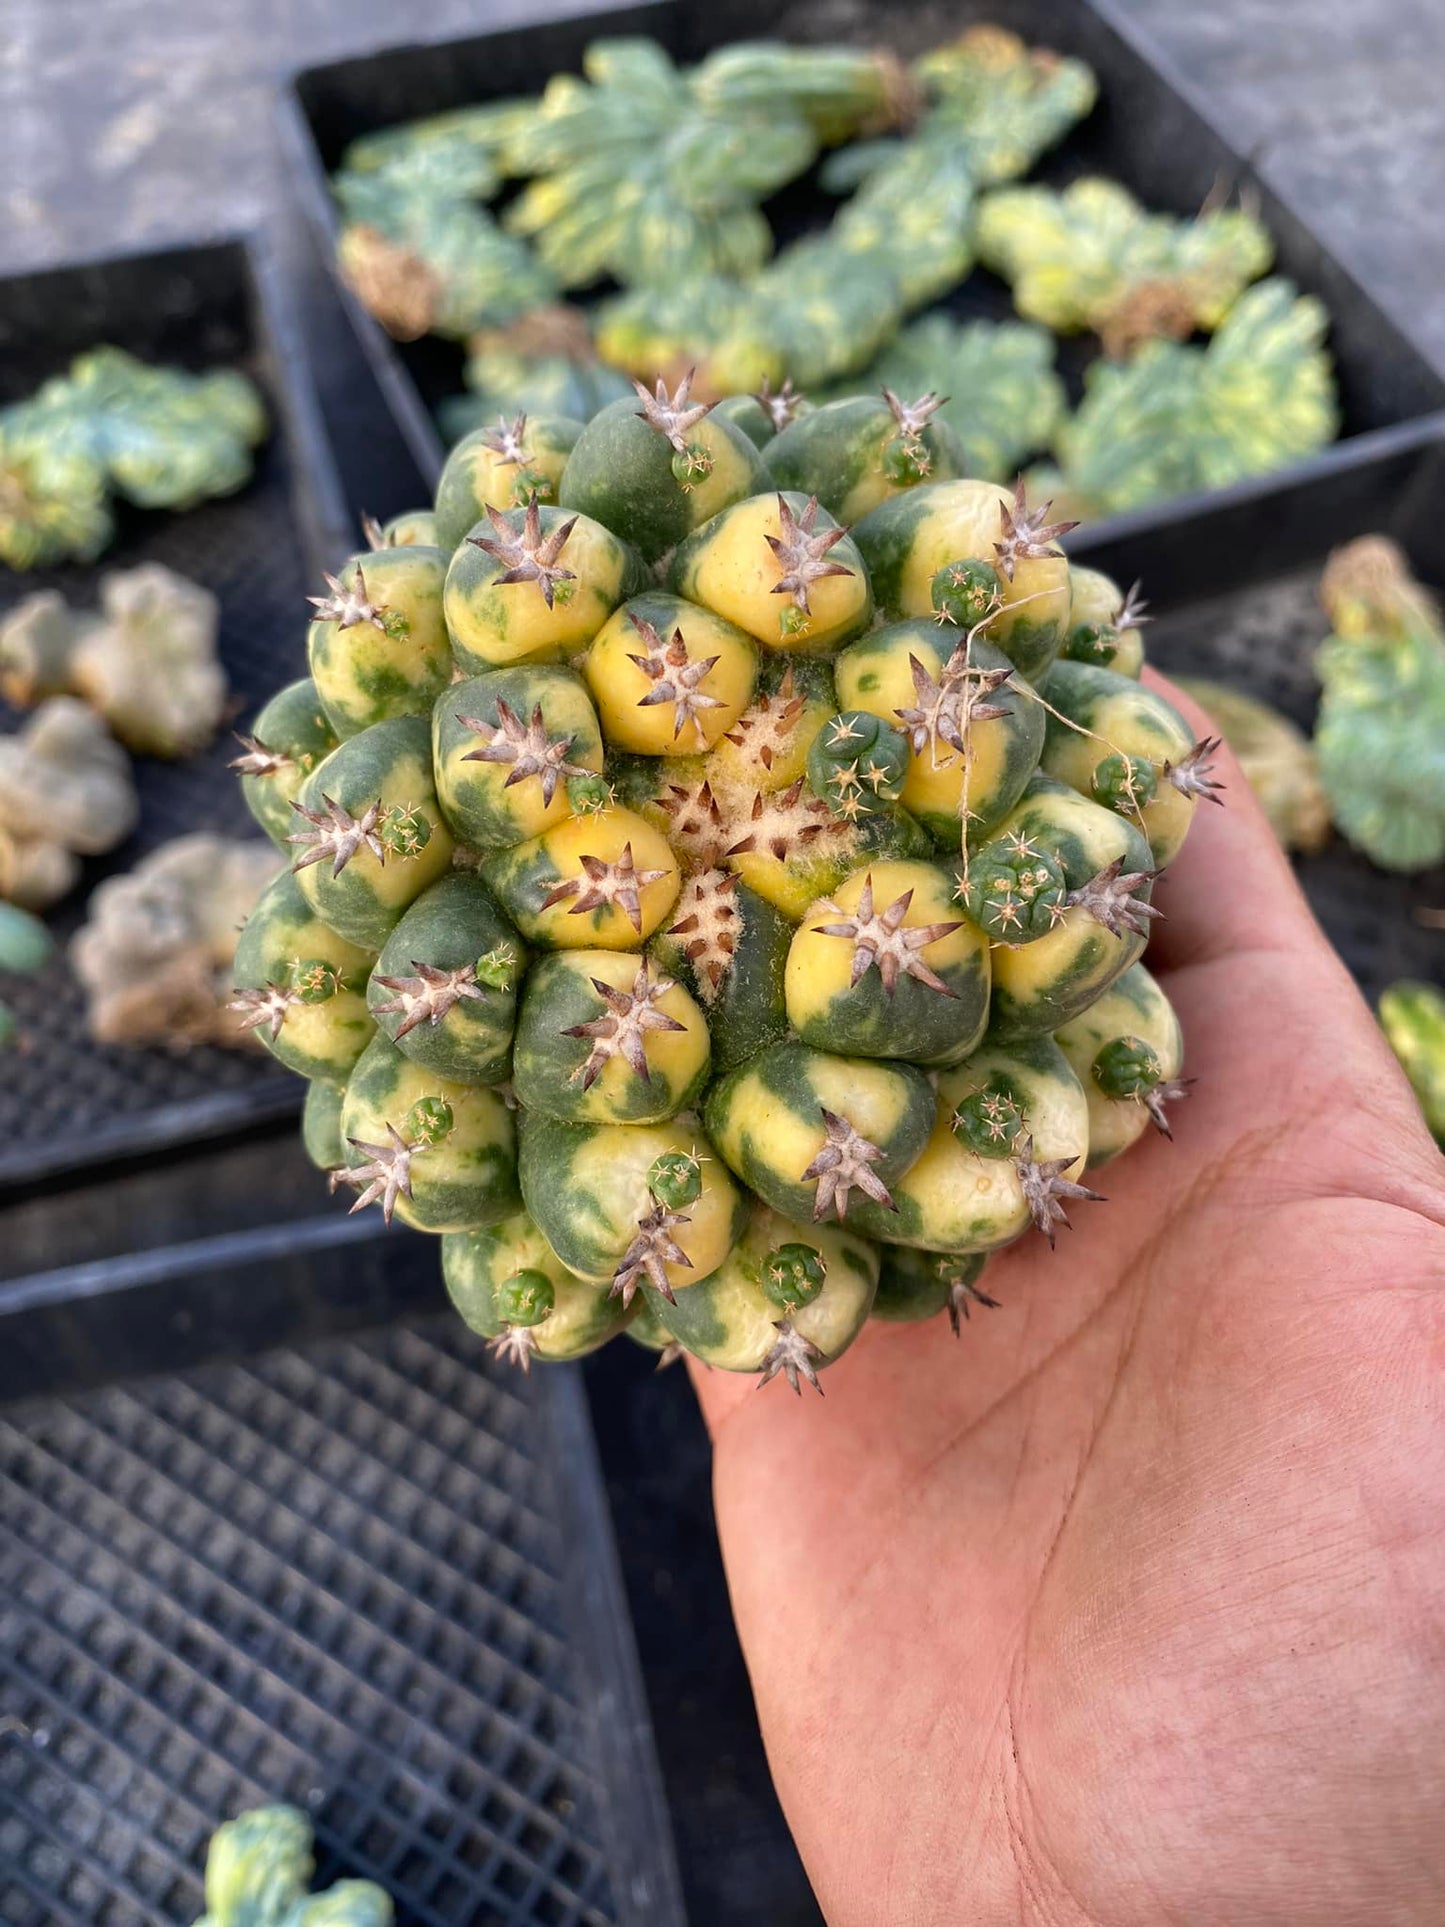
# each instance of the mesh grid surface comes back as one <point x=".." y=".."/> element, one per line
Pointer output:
<point x="1264" y="641"/>
<point x="329" y="1575"/>
<point x="60" y="1091"/>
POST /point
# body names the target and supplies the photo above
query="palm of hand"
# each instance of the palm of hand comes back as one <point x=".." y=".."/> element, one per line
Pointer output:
<point x="1131" y="1608"/>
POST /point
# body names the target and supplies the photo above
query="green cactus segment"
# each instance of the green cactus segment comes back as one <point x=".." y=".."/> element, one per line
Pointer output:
<point x="258" y="1866"/>
<point x="816" y="1134"/>
<point x="1092" y="258"/>
<point x="908" y="539"/>
<point x="1178" y="419"/>
<point x="433" y="1175"/>
<point x="855" y="453"/>
<point x="369" y="835"/>
<point x="378" y="646"/>
<point x="1004" y="402"/>
<point x="444" y="987"/>
<point x="53" y="505"/>
<point x="602" y="881"/>
<point x="913" y="1285"/>
<point x="1413" y="1017"/>
<point x="605" y="1037"/>
<point x="507" y="1285"/>
<point x="648" y="1330"/>
<point x="587" y="1187"/>
<point x="534" y="585"/>
<point x="501" y="465"/>
<point x="277" y="977"/>
<point x="1104" y="624"/>
<point x="839" y="91"/>
<point x="779" y="567"/>
<point x="817" y="1279"/>
<point x="890" y="966"/>
<point x="504" y="746"/>
<point x="656" y="476"/>
<point x="748" y="413"/>
<point x="730" y="947"/>
<point x="26" y="946"/>
<point x="954" y="1199"/>
<point x="1124" y="742"/>
<point x="321" y="1137"/>
<point x="1045" y="983"/>
<point x="919" y="678"/>
<point x="1127" y="1051"/>
<point x="857" y="764"/>
<point x="290" y="736"/>
<point x="1015" y="890"/>
<point x="510" y="372"/>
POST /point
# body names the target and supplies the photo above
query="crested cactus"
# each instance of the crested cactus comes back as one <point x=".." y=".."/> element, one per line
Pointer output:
<point x="157" y="437"/>
<point x="66" y="791"/>
<point x="258" y="1868"/>
<point x="1091" y="258"/>
<point x="1179" y="418"/>
<point x="1278" y="761"/>
<point x="750" y="944"/>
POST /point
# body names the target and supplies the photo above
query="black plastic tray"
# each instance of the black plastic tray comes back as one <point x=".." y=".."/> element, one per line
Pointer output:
<point x="66" y="1103"/>
<point x="1151" y="129"/>
<point x="363" y="1569"/>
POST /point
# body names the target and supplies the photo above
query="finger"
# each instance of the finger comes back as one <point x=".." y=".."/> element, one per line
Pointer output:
<point x="1231" y="888"/>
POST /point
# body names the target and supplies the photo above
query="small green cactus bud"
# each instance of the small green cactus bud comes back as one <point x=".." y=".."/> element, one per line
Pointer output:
<point x="906" y="461"/>
<point x="1096" y="642"/>
<point x="428" y="1122"/>
<point x="1126" y="1067"/>
<point x="1015" y="891"/>
<point x="497" y="968"/>
<point x="404" y="831"/>
<point x="989" y="1122"/>
<point x="857" y="763"/>
<point x="966" y="592"/>
<point x="692" y="464"/>
<point x="675" y="1180"/>
<point x="530" y="483"/>
<point x="1125" y="783"/>
<point x="315" y="981"/>
<point x="590" y="795"/>
<point x="793" y="621"/>
<point x="792" y="1275"/>
<point x="526" y="1298"/>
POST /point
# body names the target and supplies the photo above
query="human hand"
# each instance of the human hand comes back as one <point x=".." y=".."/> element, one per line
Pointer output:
<point x="1130" y="1607"/>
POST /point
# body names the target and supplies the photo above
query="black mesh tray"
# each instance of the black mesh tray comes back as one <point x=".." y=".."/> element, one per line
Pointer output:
<point x="1150" y="129"/>
<point x="365" y="1570"/>
<point x="66" y="1103"/>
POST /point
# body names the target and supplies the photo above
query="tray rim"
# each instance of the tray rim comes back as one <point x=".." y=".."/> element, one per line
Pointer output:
<point x="404" y="400"/>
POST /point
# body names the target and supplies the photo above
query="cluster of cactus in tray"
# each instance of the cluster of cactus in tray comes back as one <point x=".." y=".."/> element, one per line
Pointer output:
<point x="115" y="426"/>
<point x="721" y="859"/>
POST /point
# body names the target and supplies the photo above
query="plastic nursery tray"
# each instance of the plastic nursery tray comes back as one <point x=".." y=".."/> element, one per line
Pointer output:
<point x="1150" y="129"/>
<point x="66" y="1103"/>
<point x="364" y="1570"/>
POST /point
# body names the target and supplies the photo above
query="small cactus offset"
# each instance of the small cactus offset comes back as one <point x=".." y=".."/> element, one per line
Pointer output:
<point x="735" y="931"/>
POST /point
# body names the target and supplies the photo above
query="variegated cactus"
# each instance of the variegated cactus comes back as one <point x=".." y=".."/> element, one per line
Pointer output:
<point x="718" y="922"/>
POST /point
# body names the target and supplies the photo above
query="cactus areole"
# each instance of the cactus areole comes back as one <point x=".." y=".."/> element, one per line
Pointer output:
<point x="715" y="919"/>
